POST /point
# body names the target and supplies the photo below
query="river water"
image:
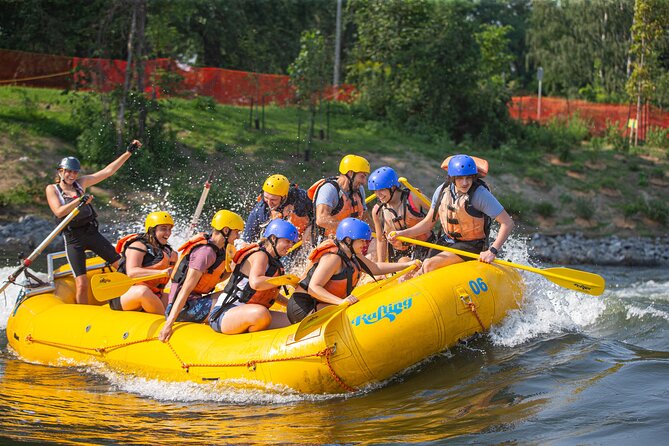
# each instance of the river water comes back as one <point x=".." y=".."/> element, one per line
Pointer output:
<point x="566" y="368"/>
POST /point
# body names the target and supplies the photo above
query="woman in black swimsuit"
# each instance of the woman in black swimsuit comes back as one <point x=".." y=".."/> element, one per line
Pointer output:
<point x="82" y="232"/>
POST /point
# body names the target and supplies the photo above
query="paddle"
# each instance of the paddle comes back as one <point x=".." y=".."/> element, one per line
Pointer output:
<point x="422" y="197"/>
<point x="107" y="286"/>
<point x="49" y="238"/>
<point x="286" y="279"/>
<point x="322" y="317"/>
<point x="588" y="283"/>
<point x="200" y="205"/>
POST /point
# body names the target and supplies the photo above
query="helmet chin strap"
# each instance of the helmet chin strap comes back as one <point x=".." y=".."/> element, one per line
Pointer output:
<point x="272" y="242"/>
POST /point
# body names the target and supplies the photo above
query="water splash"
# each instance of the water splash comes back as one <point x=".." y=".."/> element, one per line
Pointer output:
<point x="546" y="309"/>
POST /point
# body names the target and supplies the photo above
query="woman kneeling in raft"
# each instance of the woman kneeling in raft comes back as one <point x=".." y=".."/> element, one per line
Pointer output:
<point x="144" y="255"/>
<point x="465" y="208"/>
<point x="244" y="304"/>
<point x="205" y="261"/>
<point x="336" y="269"/>
<point x="82" y="232"/>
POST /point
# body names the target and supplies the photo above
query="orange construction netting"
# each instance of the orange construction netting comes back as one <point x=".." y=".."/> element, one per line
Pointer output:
<point x="165" y="77"/>
<point x="598" y="116"/>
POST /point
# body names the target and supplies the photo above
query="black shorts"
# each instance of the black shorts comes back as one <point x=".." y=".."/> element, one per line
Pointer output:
<point x="475" y="247"/>
<point x="300" y="305"/>
<point x="78" y="240"/>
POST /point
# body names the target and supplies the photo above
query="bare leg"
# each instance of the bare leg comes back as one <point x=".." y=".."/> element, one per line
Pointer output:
<point x="81" y="285"/>
<point x="246" y="318"/>
<point x="141" y="297"/>
<point x="440" y="260"/>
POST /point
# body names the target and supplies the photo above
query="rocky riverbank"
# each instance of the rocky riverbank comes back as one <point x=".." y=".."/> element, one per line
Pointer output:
<point x="29" y="231"/>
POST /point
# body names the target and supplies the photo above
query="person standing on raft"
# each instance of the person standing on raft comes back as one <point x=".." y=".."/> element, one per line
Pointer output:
<point x="244" y="305"/>
<point x="204" y="261"/>
<point x="144" y="255"/>
<point x="82" y="232"/>
<point x="466" y="208"/>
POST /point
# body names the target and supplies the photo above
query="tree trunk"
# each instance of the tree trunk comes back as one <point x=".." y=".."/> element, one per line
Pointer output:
<point x="140" y="66"/>
<point x="126" y="84"/>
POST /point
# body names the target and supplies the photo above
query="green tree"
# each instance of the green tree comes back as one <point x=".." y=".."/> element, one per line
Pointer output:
<point x="582" y="46"/>
<point x="649" y="34"/>
<point x="419" y="63"/>
<point x="310" y="75"/>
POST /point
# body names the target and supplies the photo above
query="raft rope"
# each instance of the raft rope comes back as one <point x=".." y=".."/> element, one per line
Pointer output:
<point x="472" y="307"/>
<point x="250" y="364"/>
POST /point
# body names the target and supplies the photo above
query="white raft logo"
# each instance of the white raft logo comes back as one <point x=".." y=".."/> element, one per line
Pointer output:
<point x="390" y="312"/>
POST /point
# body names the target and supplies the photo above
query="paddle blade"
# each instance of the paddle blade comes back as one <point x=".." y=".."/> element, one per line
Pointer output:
<point x="318" y="319"/>
<point x="107" y="286"/>
<point x="287" y="279"/>
<point x="585" y="282"/>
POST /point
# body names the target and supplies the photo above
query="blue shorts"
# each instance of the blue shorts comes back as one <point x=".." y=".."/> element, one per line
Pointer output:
<point x="217" y="314"/>
<point x="194" y="310"/>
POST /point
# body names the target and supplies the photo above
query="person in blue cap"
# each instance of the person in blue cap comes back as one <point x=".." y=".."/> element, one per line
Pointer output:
<point x="397" y="208"/>
<point x="466" y="208"/>
<point x="82" y="232"/>
<point x="244" y="305"/>
<point x="336" y="267"/>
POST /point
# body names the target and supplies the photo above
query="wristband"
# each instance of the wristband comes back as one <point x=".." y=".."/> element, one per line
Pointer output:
<point x="493" y="250"/>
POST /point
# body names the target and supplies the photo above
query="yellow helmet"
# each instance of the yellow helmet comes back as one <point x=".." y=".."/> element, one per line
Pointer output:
<point x="227" y="219"/>
<point x="157" y="218"/>
<point x="277" y="185"/>
<point x="353" y="163"/>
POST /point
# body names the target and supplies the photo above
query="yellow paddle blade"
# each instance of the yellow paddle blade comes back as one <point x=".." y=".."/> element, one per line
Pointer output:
<point x="322" y="317"/>
<point x="287" y="279"/>
<point x="107" y="286"/>
<point x="588" y="283"/>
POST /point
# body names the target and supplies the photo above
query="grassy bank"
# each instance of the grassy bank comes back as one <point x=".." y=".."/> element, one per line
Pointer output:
<point x="548" y="178"/>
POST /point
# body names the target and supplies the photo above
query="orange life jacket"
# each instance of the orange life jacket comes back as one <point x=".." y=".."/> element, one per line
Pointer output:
<point x="158" y="260"/>
<point x="459" y="218"/>
<point x="346" y="206"/>
<point x="286" y="211"/>
<point x="340" y="284"/>
<point x="410" y="216"/>
<point x="214" y="273"/>
<point x="238" y="287"/>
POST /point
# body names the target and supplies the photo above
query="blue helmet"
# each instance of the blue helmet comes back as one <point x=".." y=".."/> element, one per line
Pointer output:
<point x="383" y="178"/>
<point x="70" y="163"/>
<point x="461" y="166"/>
<point x="282" y="229"/>
<point x="354" y="229"/>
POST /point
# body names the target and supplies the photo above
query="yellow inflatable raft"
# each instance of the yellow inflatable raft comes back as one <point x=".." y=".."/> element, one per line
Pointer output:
<point x="369" y="342"/>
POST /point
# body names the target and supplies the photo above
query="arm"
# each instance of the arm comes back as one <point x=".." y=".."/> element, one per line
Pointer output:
<point x="58" y="209"/>
<point x="505" y="227"/>
<point x="94" y="178"/>
<point x="379" y="268"/>
<point x="381" y="245"/>
<point x="133" y="262"/>
<point x="324" y="219"/>
<point x="425" y="225"/>
<point x="327" y="267"/>
<point x="257" y="277"/>
<point x="252" y="227"/>
<point x="192" y="278"/>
